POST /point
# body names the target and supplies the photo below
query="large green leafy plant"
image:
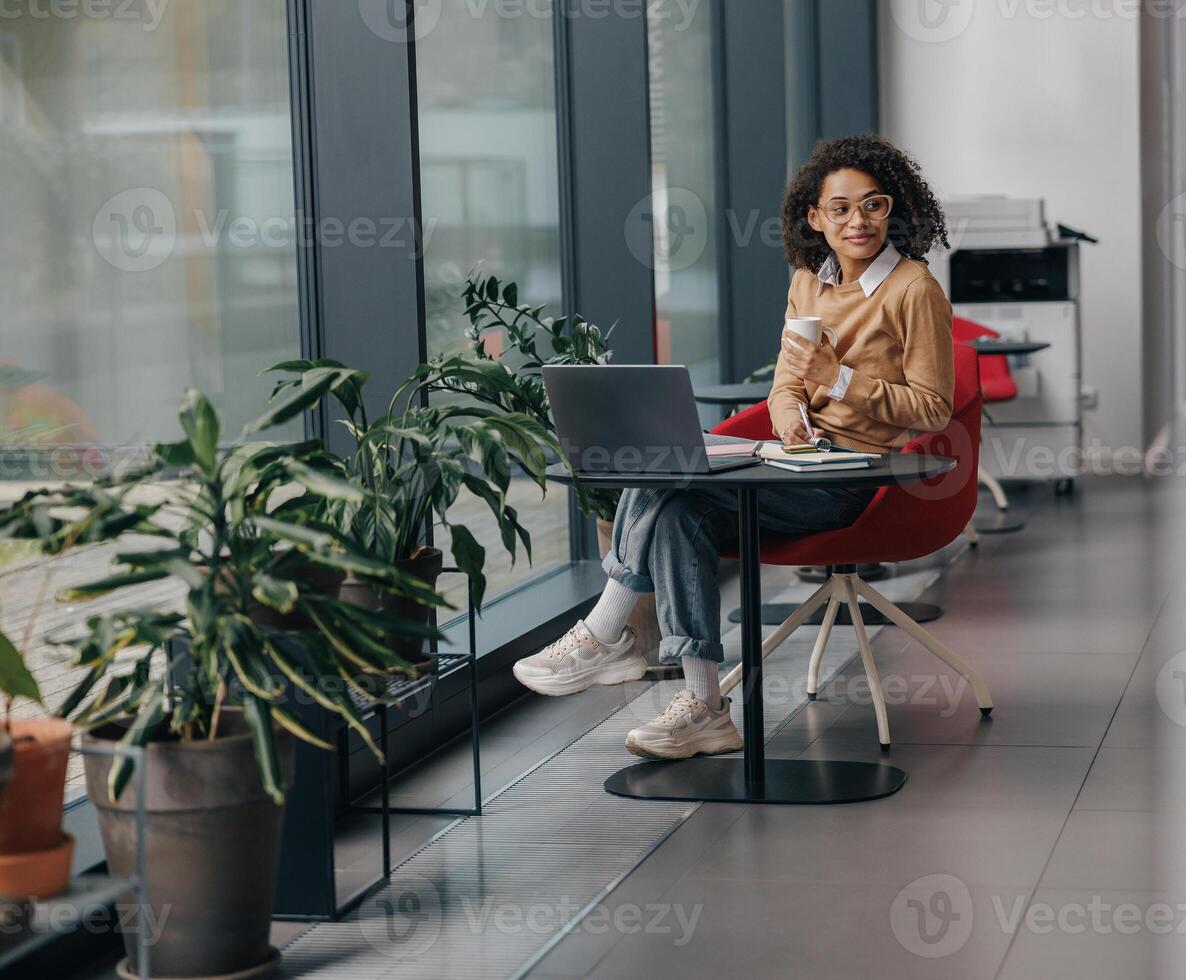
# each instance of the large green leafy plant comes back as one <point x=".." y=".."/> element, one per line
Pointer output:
<point x="261" y="621"/>
<point x="411" y="466"/>
<point x="510" y="343"/>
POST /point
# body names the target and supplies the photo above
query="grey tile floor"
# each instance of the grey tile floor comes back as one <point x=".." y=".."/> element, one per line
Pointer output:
<point x="1021" y="847"/>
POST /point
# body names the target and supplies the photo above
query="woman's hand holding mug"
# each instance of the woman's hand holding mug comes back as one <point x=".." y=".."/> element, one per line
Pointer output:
<point x="803" y="353"/>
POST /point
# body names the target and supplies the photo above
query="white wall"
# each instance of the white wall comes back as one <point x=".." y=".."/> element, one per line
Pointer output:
<point x="1030" y="99"/>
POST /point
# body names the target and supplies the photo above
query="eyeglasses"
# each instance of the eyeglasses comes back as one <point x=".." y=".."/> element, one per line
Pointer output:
<point x="875" y="208"/>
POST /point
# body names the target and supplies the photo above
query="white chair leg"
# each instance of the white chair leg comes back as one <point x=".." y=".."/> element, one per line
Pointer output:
<point x="821" y="643"/>
<point x="994" y="487"/>
<point x="775" y="640"/>
<point x="940" y="650"/>
<point x="972" y="535"/>
<point x="854" y="609"/>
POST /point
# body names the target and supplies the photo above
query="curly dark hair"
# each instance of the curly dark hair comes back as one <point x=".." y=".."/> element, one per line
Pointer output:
<point x="915" y="226"/>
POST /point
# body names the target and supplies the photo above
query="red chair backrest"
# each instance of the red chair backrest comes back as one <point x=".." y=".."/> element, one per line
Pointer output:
<point x="995" y="377"/>
<point x="902" y="522"/>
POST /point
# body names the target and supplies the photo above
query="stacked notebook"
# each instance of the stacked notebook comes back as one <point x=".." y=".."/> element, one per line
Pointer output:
<point x="798" y="459"/>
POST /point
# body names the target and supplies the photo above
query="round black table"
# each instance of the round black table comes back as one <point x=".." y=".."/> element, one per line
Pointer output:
<point x="753" y="779"/>
<point x="1001" y="522"/>
<point x="746" y="393"/>
<point x="987" y="345"/>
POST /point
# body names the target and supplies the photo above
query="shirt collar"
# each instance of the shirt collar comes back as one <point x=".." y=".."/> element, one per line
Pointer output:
<point x="874" y="276"/>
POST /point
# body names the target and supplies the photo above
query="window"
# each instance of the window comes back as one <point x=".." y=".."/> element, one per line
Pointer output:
<point x="683" y="144"/>
<point x="148" y="244"/>
<point x="489" y="172"/>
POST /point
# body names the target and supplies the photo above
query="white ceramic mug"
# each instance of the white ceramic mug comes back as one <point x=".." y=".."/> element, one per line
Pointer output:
<point x="810" y="328"/>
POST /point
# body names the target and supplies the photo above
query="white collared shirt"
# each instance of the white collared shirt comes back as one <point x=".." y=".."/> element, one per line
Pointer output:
<point x="874" y="276"/>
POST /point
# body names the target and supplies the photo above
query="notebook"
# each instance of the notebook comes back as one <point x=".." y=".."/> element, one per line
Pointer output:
<point x="798" y="459"/>
<point x="809" y="460"/>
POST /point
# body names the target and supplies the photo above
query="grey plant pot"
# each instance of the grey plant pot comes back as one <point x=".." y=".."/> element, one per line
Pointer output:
<point x="213" y="844"/>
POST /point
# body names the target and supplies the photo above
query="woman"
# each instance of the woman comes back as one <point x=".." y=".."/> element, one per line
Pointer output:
<point x="858" y="220"/>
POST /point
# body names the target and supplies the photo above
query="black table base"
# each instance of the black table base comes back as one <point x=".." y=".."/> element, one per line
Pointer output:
<point x="777" y="613"/>
<point x="801" y="781"/>
<point x="752" y="779"/>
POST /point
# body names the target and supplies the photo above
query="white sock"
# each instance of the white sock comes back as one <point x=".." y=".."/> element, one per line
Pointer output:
<point x="609" y="616"/>
<point x="701" y="677"/>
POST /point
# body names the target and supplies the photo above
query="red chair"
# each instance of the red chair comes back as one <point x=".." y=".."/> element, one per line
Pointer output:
<point x="997" y="384"/>
<point x="901" y="523"/>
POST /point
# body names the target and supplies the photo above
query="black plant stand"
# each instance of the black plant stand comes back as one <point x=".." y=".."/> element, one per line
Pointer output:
<point x="308" y="890"/>
<point x="405" y="689"/>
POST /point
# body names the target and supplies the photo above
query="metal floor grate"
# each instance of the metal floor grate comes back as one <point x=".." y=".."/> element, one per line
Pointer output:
<point x="491" y="894"/>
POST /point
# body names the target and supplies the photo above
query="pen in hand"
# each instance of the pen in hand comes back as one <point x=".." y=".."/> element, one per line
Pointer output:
<point x="819" y="442"/>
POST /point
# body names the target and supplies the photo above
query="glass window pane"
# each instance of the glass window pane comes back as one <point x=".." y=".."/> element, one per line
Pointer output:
<point x="490" y="192"/>
<point x="147" y="245"/>
<point x="683" y="143"/>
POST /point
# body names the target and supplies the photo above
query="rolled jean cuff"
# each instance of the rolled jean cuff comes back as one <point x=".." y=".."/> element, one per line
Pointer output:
<point x="631" y="579"/>
<point x="673" y="648"/>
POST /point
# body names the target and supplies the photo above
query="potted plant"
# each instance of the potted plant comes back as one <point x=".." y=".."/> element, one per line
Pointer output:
<point x="412" y="465"/>
<point x="236" y="530"/>
<point x="511" y="380"/>
<point x="34" y="853"/>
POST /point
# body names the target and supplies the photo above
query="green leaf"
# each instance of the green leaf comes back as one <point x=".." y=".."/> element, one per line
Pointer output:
<point x="324" y="484"/>
<point x="285" y="720"/>
<point x="263" y="741"/>
<point x="92" y="590"/>
<point x="150" y="715"/>
<point x="199" y="421"/>
<point x="470" y="557"/>
<point x="276" y="593"/>
<point x="176" y="454"/>
<point x="15" y="679"/>
<point x="294" y="402"/>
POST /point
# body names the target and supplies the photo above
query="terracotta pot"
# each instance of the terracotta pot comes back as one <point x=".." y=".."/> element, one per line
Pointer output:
<point x="5" y="762"/>
<point x="643" y="618"/>
<point x="34" y="854"/>
<point x="28" y="875"/>
<point x="426" y="566"/>
<point x="212" y="848"/>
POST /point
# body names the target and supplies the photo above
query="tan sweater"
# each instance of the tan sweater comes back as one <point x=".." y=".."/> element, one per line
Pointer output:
<point x="897" y="342"/>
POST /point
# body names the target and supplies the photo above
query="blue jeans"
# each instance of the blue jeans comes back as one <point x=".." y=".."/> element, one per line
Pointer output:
<point x="669" y="542"/>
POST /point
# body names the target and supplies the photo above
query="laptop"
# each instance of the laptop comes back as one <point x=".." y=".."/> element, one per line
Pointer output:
<point x="614" y="418"/>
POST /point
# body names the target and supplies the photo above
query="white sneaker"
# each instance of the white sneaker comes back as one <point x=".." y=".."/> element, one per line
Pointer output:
<point x="688" y="727"/>
<point x="578" y="660"/>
